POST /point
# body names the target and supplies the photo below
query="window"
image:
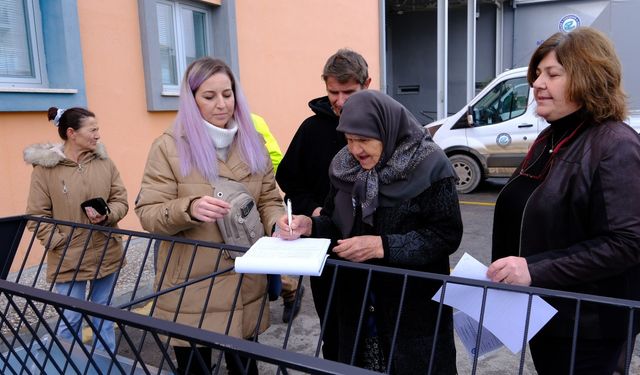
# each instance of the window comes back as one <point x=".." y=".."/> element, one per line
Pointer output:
<point x="182" y="33"/>
<point x="20" y="46"/>
<point x="174" y="34"/>
<point x="40" y="59"/>
<point x="505" y="101"/>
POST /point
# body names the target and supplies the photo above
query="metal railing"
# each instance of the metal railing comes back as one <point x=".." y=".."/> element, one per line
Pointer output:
<point x="31" y="312"/>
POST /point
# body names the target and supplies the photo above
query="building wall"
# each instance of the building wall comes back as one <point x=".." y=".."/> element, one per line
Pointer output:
<point x="282" y="48"/>
<point x="284" y="44"/>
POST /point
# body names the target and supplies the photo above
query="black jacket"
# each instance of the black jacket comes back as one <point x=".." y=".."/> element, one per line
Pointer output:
<point x="303" y="173"/>
<point x="418" y="234"/>
<point x="581" y="229"/>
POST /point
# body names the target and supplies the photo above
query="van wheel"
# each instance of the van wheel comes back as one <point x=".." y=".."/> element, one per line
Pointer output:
<point x="468" y="171"/>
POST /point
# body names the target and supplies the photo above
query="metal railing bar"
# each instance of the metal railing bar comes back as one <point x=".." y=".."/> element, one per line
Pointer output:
<point x="39" y="268"/>
<point x="165" y="354"/>
<point x="215" y="340"/>
<point x="480" y="325"/>
<point x="183" y="285"/>
<point x="629" y="344"/>
<point x="574" y="339"/>
<point x="137" y="282"/>
<point x="365" y="299"/>
<point x="492" y="285"/>
<point x="441" y="305"/>
<point x="26" y="256"/>
<point x="198" y="357"/>
<point x="147" y="235"/>
<point x="17" y="337"/>
<point x="112" y="354"/>
<point x="297" y="298"/>
<point x="396" y="327"/>
<point x="523" y="350"/>
<point x="113" y="288"/>
<point x="138" y="358"/>
<point x="66" y="247"/>
<point x="11" y="348"/>
<point x="225" y="343"/>
<point x="77" y="338"/>
<point x="325" y="319"/>
<point x="51" y="334"/>
<point x="154" y="297"/>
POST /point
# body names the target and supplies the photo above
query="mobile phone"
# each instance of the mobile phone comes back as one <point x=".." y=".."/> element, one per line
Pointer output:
<point x="97" y="204"/>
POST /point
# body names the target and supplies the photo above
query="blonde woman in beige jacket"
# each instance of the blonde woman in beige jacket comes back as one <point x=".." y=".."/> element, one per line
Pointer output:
<point x="212" y="139"/>
<point x="65" y="175"/>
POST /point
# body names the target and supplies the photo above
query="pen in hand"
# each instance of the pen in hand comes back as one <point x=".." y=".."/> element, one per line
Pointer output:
<point x="289" y="218"/>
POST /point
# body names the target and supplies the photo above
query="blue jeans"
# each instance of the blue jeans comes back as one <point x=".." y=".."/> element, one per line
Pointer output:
<point x="99" y="294"/>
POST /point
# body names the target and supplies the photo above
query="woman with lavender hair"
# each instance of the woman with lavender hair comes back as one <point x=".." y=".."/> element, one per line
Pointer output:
<point x="212" y="141"/>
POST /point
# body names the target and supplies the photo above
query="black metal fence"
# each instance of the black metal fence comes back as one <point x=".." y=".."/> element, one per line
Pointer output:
<point x="31" y="312"/>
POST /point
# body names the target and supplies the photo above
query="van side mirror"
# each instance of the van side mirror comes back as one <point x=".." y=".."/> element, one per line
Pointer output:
<point x="469" y="116"/>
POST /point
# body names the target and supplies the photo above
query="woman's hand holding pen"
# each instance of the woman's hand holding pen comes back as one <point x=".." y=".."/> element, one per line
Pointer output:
<point x="300" y="226"/>
<point x="208" y="209"/>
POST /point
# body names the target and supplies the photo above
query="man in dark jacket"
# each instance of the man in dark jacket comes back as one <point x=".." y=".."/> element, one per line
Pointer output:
<point x="303" y="173"/>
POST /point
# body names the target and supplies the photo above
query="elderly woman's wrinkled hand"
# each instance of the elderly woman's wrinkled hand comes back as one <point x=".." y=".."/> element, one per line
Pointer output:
<point x="510" y="270"/>
<point x="209" y="209"/>
<point x="300" y="226"/>
<point x="360" y="248"/>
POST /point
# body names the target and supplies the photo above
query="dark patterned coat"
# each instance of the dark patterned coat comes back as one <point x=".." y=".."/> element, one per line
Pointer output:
<point x="418" y="234"/>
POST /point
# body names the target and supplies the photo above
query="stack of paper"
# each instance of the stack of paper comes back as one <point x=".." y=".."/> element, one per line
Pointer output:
<point x="271" y="255"/>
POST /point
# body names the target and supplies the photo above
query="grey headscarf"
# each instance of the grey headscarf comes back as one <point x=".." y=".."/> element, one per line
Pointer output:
<point x="410" y="161"/>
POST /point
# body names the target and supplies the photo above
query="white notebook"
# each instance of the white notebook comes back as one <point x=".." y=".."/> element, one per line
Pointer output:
<point x="272" y="255"/>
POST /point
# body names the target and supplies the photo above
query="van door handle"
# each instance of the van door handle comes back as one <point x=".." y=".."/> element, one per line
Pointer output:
<point x="525" y="126"/>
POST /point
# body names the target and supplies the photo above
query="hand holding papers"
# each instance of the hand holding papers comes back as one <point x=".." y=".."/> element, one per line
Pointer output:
<point x="505" y="312"/>
<point x="272" y="255"/>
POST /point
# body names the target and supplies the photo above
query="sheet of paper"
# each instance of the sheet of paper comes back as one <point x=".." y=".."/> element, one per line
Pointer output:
<point x="505" y="312"/>
<point x="467" y="330"/>
<point x="271" y="255"/>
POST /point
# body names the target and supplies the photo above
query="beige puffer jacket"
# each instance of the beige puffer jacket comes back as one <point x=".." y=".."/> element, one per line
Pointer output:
<point x="162" y="207"/>
<point x="58" y="187"/>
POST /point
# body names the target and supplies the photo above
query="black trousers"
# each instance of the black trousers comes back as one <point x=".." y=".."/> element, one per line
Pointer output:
<point x="320" y="288"/>
<point x="552" y="355"/>
<point x="237" y="365"/>
<point x="188" y="362"/>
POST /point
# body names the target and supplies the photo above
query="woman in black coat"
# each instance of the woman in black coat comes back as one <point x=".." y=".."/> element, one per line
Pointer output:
<point x="569" y="218"/>
<point x="392" y="202"/>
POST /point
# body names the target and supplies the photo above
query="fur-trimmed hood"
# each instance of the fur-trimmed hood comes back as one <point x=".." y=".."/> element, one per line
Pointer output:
<point x="51" y="154"/>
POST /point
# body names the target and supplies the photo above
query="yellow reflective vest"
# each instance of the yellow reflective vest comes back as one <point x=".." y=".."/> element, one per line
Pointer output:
<point x="269" y="140"/>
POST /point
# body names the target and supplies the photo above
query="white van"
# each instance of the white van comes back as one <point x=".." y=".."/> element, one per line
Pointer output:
<point x="491" y="135"/>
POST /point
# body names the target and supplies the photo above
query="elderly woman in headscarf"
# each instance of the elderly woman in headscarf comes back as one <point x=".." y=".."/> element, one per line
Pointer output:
<point x="392" y="202"/>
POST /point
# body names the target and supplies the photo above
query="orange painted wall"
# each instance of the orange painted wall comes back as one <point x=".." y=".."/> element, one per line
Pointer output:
<point x="113" y="68"/>
<point x="283" y="45"/>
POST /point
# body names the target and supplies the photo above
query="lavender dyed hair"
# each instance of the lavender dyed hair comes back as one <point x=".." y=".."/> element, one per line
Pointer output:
<point x="196" y="149"/>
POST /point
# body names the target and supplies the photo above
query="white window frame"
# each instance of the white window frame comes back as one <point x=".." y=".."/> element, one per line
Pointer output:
<point x="178" y="32"/>
<point x="33" y="16"/>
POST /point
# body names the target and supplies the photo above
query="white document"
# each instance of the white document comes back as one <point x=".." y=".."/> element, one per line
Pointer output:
<point x="505" y="312"/>
<point x="467" y="330"/>
<point x="272" y="255"/>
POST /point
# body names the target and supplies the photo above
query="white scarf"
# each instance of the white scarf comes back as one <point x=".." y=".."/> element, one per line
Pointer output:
<point x="222" y="137"/>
